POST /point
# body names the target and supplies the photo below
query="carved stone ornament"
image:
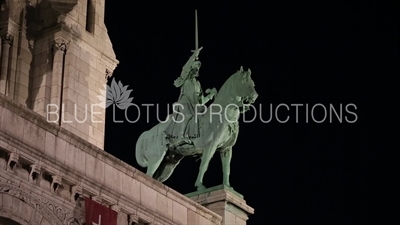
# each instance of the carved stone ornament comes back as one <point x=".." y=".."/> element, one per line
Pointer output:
<point x="56" y="183"/>
<point x="109" y="73"/>
<point x="133" y="219"/>
<point x="76" y="193"/>
<point x="12" y="161"/>
<point x="60" y="45"/>
<point x="7" y="39"/>
<point x="53" y="213"/>
<point x="35" y="171"/>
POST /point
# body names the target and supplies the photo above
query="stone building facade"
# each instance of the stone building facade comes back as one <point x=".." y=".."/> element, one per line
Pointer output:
<point x="55" y="57"/>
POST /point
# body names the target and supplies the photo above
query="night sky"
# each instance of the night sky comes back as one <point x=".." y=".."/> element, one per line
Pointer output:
<point x="305" y="53"/>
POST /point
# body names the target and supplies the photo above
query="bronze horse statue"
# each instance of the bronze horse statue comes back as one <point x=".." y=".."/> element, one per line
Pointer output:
<point x="219" y="128"/>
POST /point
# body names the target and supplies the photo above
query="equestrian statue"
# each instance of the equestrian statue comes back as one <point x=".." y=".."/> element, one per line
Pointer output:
<point x="194" y="129"/>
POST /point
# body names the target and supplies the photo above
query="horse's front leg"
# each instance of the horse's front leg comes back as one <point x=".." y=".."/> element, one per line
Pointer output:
<point x="226" y="156"/>
<point x="205" y="161"/>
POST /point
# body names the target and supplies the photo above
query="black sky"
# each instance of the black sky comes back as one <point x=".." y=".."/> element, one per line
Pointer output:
<point x="309" y="53"/>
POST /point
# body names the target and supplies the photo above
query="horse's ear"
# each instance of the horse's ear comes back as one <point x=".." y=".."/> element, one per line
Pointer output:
<point x="249" y="71"/>
<point x="241" y="69"/>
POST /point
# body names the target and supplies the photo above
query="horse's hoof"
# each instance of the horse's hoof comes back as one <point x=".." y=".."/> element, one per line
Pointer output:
<point x="200" y="187"/>
<point x="229" y="186"/>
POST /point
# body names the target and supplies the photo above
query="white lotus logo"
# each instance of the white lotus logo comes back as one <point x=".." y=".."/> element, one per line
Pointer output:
<point x="116" y="94"/>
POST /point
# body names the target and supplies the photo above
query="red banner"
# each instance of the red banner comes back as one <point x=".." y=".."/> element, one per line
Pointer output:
<point x="98" y="214"/>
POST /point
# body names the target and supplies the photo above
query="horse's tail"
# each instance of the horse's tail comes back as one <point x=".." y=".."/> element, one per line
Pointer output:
<point x="140" y="149"/>
<point x="167" y="166"/>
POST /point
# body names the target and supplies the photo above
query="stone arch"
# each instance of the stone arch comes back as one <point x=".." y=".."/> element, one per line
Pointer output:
<point x="17" y="203"/>
<point x="11" y="221"/>
<point x="19" y="212"/>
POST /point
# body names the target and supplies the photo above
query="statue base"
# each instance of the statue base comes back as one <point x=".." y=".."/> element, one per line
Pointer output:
<point x="225" y="202"/>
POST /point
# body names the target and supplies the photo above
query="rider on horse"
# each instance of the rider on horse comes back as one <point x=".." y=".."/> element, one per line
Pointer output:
<point x="184" y="125"/>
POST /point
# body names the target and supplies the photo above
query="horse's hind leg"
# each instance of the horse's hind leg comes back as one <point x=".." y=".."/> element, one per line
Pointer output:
<point x="167" y="166"/>
<point x="153" y="164"/>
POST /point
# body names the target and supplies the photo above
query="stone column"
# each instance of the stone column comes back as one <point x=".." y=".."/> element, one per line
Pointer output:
<point x="59" y="50"/>
<point x="6" y="42"/>
<point x="225" y="202"/>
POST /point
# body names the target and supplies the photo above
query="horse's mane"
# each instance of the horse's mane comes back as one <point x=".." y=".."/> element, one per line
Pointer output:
<point x="227" y="88"/>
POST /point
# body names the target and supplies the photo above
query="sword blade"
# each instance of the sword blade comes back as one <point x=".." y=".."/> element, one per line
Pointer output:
<point x="196" y="31"/>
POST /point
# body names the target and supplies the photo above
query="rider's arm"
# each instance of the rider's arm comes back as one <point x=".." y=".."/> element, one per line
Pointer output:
<point x="202" y="98"/>
<point x="186" y="68"/>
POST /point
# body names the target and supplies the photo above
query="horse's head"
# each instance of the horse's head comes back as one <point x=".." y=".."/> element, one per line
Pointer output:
<point x="244" y="87"/>
<point x="238" y="90"/>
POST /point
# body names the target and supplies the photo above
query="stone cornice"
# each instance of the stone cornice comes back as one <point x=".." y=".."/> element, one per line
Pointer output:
<point x="63" y="6"/>
<point x="109" y="61"/>
<point x="73" y="176"/>
<point x="62" y="31"/>
<point x="59" y="30"/>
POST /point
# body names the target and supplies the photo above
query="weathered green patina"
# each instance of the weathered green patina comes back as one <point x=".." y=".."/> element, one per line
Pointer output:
<point x="194" y="129"/>
<point x="218" y="128"/>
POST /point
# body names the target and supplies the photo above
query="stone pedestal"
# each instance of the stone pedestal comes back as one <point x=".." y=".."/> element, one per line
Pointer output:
<point x="225" y="202"/>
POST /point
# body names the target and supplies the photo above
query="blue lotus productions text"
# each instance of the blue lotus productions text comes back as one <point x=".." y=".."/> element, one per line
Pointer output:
<point x="265" y="113"/>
